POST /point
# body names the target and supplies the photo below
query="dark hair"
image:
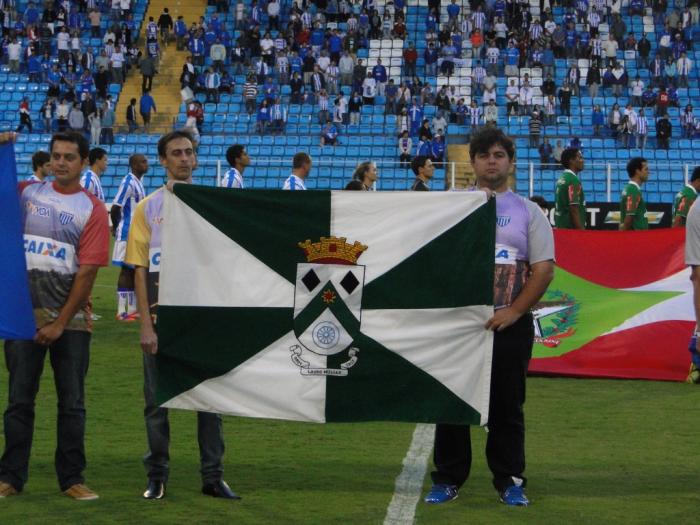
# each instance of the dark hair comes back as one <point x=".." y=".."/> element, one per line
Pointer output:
<point x="361" y="170"/>
<point x="234" y="152"/>
<point x="133" y="158"/>
<point x="169" y="137"/>
<point x="76" y="138"/>
<point x="40" y="158"/>
<point x="300" y="159"/>
<point x="96" y="154"/>
<point x="418" y="162"/>
<point x="568" y="155"/>
<point x="483" y="140"/>
<point x="695" y="176"/>
<point x="635" y="163"/>
<point x="540" y="201"/>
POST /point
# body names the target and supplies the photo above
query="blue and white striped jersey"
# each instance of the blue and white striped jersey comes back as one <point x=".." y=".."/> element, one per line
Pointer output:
<point x="232" y="179"/>
<point x="91" y="182"/>
<point x="129" y="194"/>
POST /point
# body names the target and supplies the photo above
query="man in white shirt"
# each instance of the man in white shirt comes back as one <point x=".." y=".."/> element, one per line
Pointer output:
<point x="610" y="47"/>
<point x="63" y="45"/>
<point x="301" y="167"/>
<point x="369" y="89"/>
<point x="512" y="97"/>
<point x="117" y="61"/>
<point x="14" y="51"/>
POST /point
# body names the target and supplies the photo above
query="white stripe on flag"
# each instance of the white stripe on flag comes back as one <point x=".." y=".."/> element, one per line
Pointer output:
<point x="679" y="308"/>
<point x="462" y="360"/>
<point x="267" y="385"/>
<point x="380" y="221"/>
<point x="214" y="265"/>
<point x="409" y="483"/>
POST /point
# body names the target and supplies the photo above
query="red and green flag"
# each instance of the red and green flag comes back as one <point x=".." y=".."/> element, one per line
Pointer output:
<point x="620" y="305"/>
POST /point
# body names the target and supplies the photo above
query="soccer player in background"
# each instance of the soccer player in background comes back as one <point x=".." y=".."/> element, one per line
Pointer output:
<point x="41" y="166"/>
<point x="91" y="178"/>
<point x="570" y="202"/>
<point x="238" y="159"/>
<point x="524" y="268"/>
<point x="130" y="193"/>
<point x="685" y="198"/>
<point x="301" y="167"/>
<point x="176" y="154"/>
<point x="66" y="237"/>
<point x="692" y="259"/>
<point x="632" y="206"/>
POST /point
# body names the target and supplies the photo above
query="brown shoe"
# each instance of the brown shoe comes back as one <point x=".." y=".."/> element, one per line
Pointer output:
<point x="7" y="490"/>
<point x="80" y="492"/>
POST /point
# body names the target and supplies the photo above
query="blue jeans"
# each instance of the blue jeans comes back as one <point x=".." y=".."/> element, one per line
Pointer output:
<point x="69" y="356"/>
<point x="209" y="434"/>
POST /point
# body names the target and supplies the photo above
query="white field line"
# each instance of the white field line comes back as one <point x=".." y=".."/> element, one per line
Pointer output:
<point x="409" y="483"/>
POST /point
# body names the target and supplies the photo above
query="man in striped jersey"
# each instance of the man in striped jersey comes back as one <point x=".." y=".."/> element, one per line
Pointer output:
<point x="41" y="165"/>
<point x="90" y="180"/>
<point x="301" y="167"/>
<point x="642" y="130"/>
<point x="239" y="160"/>
<point x="129" y="194"/>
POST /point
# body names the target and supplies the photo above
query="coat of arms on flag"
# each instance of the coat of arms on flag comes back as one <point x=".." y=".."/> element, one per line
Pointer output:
<point x="328" y="303"/>
<point x="327" y="306"/>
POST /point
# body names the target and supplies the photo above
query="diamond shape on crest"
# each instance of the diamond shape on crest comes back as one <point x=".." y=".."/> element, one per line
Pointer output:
<point x="310" y="280"/>
<point x="349" y="282"/>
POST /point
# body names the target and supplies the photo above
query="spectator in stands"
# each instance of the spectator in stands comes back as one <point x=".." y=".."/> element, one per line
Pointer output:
<point x="642" y="130"/>
<point x="263" y="118"/>
<point x="405" y="148"/>
<point x="430" y="56"/>
<point x="380" y="77"/>
<point x="564" y="96"/>
<point x="329" y="134"/>
<point x="491" y="113"/>
<point x="439" y="122"/>
<point x="545" y="151"/>
<point x="296" y="85"/>
<point x="410" y="57"/>
<point x="620" y="79"/>
<point x="76" y="119"/>
<point x="670" y="73"/>
<point x="391" y="93"/>
<point x="250" y="94"/>
<point x="147" y="106"/>
<point x="597" y="120"/>
<point x="614" y="120"/>
<point x="593" y="81"/>
<point x="687" y="122"/>
<point x="107" y="124"/>
<point x="535" y="129"/>
<point x="95" y="125"/>
<point x="683" y="67"/>
<point x="131" y="116"/>
<point x="148" y="70"/>
<point x="438" y="148"/>
<point x="663" y="132"/>
<point x="489" y="92"/>
<point x="573" y="76"/>
<point x="662" y="102"/>
<point x="512" y="98"/>
<point x="355" y="107"/>
<point x="323" y="108"/>
<point x="25" y="118"/>
<point x="369" y="89"/>
<point x="47" y="112"/>
<point x="213" y="82"/>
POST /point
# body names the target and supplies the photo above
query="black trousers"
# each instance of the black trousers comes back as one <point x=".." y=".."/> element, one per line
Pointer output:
<point x="505" y="445"/>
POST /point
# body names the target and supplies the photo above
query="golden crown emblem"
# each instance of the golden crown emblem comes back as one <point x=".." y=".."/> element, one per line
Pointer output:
<point x="332" y="250"/>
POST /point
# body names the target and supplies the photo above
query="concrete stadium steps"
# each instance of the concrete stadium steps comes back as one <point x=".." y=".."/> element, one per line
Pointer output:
<point x="464" y="173"/>
<point x="166" y="84"/>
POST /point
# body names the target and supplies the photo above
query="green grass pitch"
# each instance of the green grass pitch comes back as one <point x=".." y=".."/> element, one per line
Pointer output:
<point x="598" y="452"/>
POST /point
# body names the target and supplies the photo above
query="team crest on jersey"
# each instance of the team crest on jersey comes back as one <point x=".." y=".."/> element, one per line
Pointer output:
<point x="503" y="220"/>
<point x="328" y="306"/>
<point x="555" y="318"/>
<point x="65" y="218"/>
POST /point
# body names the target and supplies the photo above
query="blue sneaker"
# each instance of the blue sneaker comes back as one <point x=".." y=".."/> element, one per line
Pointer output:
<point x="440" y="493"/>
<point x="515" y="496"/>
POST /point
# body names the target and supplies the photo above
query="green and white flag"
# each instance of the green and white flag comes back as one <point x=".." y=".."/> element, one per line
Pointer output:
<point x="327" y="305"/>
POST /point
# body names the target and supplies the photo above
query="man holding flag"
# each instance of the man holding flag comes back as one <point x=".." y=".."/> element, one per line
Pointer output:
<point x="177" y="156"/>
<point x="66" y="240"/>
<point x="524" y="268"/>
